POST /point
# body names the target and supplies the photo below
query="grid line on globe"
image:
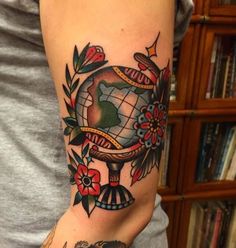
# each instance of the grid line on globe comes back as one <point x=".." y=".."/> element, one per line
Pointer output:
<point x="126" y="102"/>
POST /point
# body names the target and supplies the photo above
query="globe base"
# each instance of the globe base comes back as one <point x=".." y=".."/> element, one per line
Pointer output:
<point x="114" y="197"/>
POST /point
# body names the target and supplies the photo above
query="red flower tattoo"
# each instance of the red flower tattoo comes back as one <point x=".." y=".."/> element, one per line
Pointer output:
<point x="87" y="180"/>
<point x="94" y="54"/>
<point x="151" y="124"/>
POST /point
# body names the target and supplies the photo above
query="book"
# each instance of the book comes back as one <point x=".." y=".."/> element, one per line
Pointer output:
<point x="167" y="155"/>
<point x="200" y="172"/>
<point x="216" y="154"/>
<point x="227" y="207"/>
<point x="231" y="239"/>
<point x="211" y="226"/>
<point x="191" y="227"/>
<point x="206" y="226"/>
<point x="222" y="71"/>
<point x="229" y="76"/>
<point x="219" y="54"/>
<point x="228" y="154"/>
<point x="216" y="229"/>
<point x="221" y="75"/>
<point x="233" y="74"/>
<point x="163" y="168"/>
<point x="200" y="210"/>
<point x="226" y="73"/>
<point x="212" y="136"/>
<point x="223" y="151"/>
<point x="232" y="169"/>
<point x="212" y="68"/>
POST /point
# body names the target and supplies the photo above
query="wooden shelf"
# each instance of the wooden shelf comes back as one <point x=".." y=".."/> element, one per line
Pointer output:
<point x="205" y="53"/>
<point x="176" y="134"/>
<point x="192" y="153"/>
<point x="186" y="211"/>
<point x="185" y="69"/>
<point x="213" y="8"/>
<point x="189" y="112"/>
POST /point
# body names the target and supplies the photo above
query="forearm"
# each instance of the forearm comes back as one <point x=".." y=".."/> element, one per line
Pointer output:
<point x="113" y="105"/>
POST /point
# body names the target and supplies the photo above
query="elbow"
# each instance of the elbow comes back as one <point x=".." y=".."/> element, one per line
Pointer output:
<point x="134" y="219"/>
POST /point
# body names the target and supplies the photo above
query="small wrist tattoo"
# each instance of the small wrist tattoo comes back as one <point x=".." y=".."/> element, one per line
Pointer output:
<point x="99" y="244"/>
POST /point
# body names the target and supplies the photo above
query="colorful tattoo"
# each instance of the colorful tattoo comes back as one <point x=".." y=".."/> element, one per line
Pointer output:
<point x="99" y="244"/>
<point x="117" y="115"/>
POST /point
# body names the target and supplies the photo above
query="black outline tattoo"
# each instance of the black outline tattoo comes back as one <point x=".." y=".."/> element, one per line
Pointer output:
<point x="117" y="115"/>
<point x="99" y="244"/>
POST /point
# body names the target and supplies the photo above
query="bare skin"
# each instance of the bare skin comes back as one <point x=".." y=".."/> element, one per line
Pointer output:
<point x="116" y="30"/>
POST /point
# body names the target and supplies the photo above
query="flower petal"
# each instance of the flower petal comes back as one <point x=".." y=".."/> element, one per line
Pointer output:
<point x="148" y="115"/>
<point x="82" y="170"/>
<point x="160" y="132"/>
<point x="94" y="189"/>
<point x="98" y="57"/>
<point x="77" y="178"/>
<point x="147" y="135"/>
<point x="83" y="190"/>
<point x="90" y="53"/>
<point x="161" y="114"/>
<point x="94" y="175"/>
<point x="154" y="138"/>
<point x="155" y="112"/>
<point x="145" y="125"/>
<point x="162" y="122"/>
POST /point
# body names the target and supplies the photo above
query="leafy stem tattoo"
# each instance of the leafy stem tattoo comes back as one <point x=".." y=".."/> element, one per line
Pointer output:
<point x="117" y="115"/>
<point x="99" y="244"/>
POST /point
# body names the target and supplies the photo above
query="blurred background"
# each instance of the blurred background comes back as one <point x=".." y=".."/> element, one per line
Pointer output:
<point x="197" y="178"/>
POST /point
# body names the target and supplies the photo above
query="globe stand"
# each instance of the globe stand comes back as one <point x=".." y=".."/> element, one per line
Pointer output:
<point x="114" y="196"/>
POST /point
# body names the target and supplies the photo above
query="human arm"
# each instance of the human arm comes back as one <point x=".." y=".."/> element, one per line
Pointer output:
<point x="111" y="31"/>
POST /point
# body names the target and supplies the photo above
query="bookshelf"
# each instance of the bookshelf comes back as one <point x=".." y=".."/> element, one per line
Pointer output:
<point x="168" y="176"/>
<point x="198" y="176"/>
<point x="212" y="223"/>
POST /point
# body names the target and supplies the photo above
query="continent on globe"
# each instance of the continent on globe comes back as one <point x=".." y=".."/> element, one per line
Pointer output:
<point x="110" y="101"/>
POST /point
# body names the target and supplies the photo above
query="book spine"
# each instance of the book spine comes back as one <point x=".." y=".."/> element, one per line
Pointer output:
<point x="192" y="224"/>
<point x="202" y="154"/>
<point x="232" y="169"/>
<point x="221" y="77"/>
<point x="223" y="150"/>
<point x="216" y="231"/>
<point x="211" y="228"/>
<point x="217" y="68"/>
<point x="216" y="152"/>
<point x="228" y="83"/>
<point x="206" y="227"/>
<point x="226" y="73"/>
<point x="229" y="148"/>
<point x="212" y="67"/>
<point x="228" y="208"/>
<point x="232" y="230"/>
<point x="233" y="75"/>
<point x="199" y="225"/>
<point x="165" y="159"/>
